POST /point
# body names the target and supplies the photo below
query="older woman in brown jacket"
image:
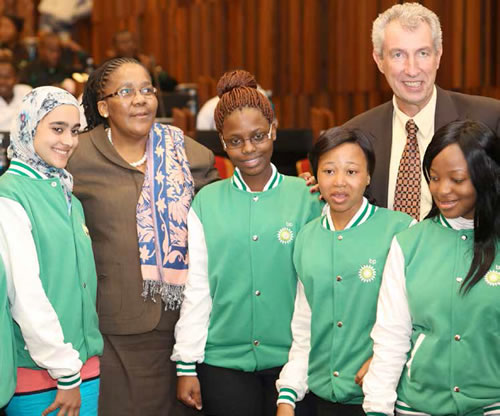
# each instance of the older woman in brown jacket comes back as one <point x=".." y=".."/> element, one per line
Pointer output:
<point x="136" y="179"/>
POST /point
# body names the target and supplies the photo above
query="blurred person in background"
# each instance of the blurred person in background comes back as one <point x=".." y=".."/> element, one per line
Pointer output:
<point x="125" y="46"/>
<point x="10" y="35"/>
<point x="11" y="93"/>
<point x="48" y="68"/>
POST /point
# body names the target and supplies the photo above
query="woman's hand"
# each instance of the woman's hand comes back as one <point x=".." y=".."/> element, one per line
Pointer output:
<point x="360" y="375"/>
<point x="188" y="391"/>
<point x="311" y="182"/>
<point x="67" y="401"/>
<point x="285" y="410"/>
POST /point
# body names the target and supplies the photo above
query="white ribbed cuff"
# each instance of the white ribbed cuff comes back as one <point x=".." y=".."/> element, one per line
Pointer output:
<point x="287" y="396"/>
<point x="186" y="369"/>
<point x="492" y="409"/>
<point x="69" y="382"/>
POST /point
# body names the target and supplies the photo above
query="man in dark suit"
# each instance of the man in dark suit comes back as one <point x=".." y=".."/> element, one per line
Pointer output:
<point x="407" y="47"/>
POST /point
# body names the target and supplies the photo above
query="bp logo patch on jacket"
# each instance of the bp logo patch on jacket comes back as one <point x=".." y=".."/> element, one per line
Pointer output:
<point x="367" y="272"/>
<point x="285" y="234"/>
<point x="493" y="276"/>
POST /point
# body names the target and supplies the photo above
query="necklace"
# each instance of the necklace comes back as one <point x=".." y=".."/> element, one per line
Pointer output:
<point x="140" y="162"/>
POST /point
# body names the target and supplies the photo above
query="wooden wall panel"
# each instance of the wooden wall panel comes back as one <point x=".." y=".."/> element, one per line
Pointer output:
<point x="182" y="46"/>
<point x="218" y="47"/>
<point x="308" y="52"/>
<point x="333" y="59"/>
<point x="295" y="55"/>
<point x="264" y="59"/>
<point x="194" y="42"/>
<point x="366" y="74"/>
<point x="473" y="28"/>
<point x="495" y="61"/>
<point x="453" y="52"/>
<point x="311" y="48"/>
<point x="236" y="32"/>
<point x="253" y="39"/>
<point x="280" y="86"/>
<point x="489" y="28"/>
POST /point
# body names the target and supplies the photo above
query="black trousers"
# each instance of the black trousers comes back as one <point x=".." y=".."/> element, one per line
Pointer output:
<point x="327" y="408"/>
<point x="227" y="392"/>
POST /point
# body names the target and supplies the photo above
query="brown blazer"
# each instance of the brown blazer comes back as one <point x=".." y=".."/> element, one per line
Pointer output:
<point x="450" y="106"/>
<point x="109" y="189"/>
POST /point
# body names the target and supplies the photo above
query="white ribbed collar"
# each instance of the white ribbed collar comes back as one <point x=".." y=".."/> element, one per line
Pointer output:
<point x="458" y="223"/>
<point x="365" y="211"/>
<point x="17" y="167"/>
<point x="273" y="182"/>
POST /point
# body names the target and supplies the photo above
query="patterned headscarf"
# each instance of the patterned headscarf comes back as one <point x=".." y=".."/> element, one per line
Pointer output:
<point x="35" y="106"/>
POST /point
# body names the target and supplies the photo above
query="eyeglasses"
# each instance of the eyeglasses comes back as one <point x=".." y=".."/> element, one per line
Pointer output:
<point x="256" y="139"/>
<point x="129" y="92"/>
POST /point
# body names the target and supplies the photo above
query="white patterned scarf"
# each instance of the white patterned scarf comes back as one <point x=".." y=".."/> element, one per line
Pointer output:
<point x="34" y="107"/>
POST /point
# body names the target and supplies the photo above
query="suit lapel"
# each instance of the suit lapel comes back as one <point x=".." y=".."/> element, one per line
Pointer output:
<point x="103" y="145"/>
<point x="446" y="111"/>
<point x="382" y="132"/>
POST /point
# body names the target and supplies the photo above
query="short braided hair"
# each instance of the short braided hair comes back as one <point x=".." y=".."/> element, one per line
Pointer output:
<point x="94" y="90"/>
<point x="236" y="90"/>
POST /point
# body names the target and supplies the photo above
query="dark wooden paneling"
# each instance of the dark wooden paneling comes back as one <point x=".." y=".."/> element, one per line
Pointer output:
<point x="253" y="37"/>
<point x="473" y="53"/>
<point x="236" y="27"/>
<point x="295" y="56"/>
<point x="265" y="42"/>
<point x="309" y="52"/>
<point x="310" y="46"/>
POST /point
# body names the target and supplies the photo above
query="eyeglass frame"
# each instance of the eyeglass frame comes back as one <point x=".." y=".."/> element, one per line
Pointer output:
<point x="251" y="139"/>
<point x="117" y="93"/>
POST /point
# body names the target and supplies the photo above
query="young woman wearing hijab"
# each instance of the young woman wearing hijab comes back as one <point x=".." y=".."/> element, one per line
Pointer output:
<point x="7" y="346"/>
<point x="339" y="259"/>
<point x="136" y="179"/>
<point x="46" y="248"/>
<point x="437" y="331"/>
<point x="234" y="331"/>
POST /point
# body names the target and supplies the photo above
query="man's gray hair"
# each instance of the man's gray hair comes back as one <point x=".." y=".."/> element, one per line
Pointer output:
<point x="410" y="16"/>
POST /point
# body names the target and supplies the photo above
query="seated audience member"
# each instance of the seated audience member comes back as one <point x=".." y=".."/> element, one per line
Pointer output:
<point x="125" y="46"/>
<point x="60" y="16"/>
<point x="10" y="45"/>
<point x="75" y="57"/>
<point x="48" y="68"/>
<point x="11" y="93"/>
<point x="205" y="117"/>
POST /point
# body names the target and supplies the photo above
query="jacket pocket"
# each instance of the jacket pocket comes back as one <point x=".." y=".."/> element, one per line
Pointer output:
<point x="419" y="341"/>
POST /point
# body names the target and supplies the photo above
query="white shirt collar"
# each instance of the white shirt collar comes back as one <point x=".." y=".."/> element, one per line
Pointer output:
<point x="424" y="119"/>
